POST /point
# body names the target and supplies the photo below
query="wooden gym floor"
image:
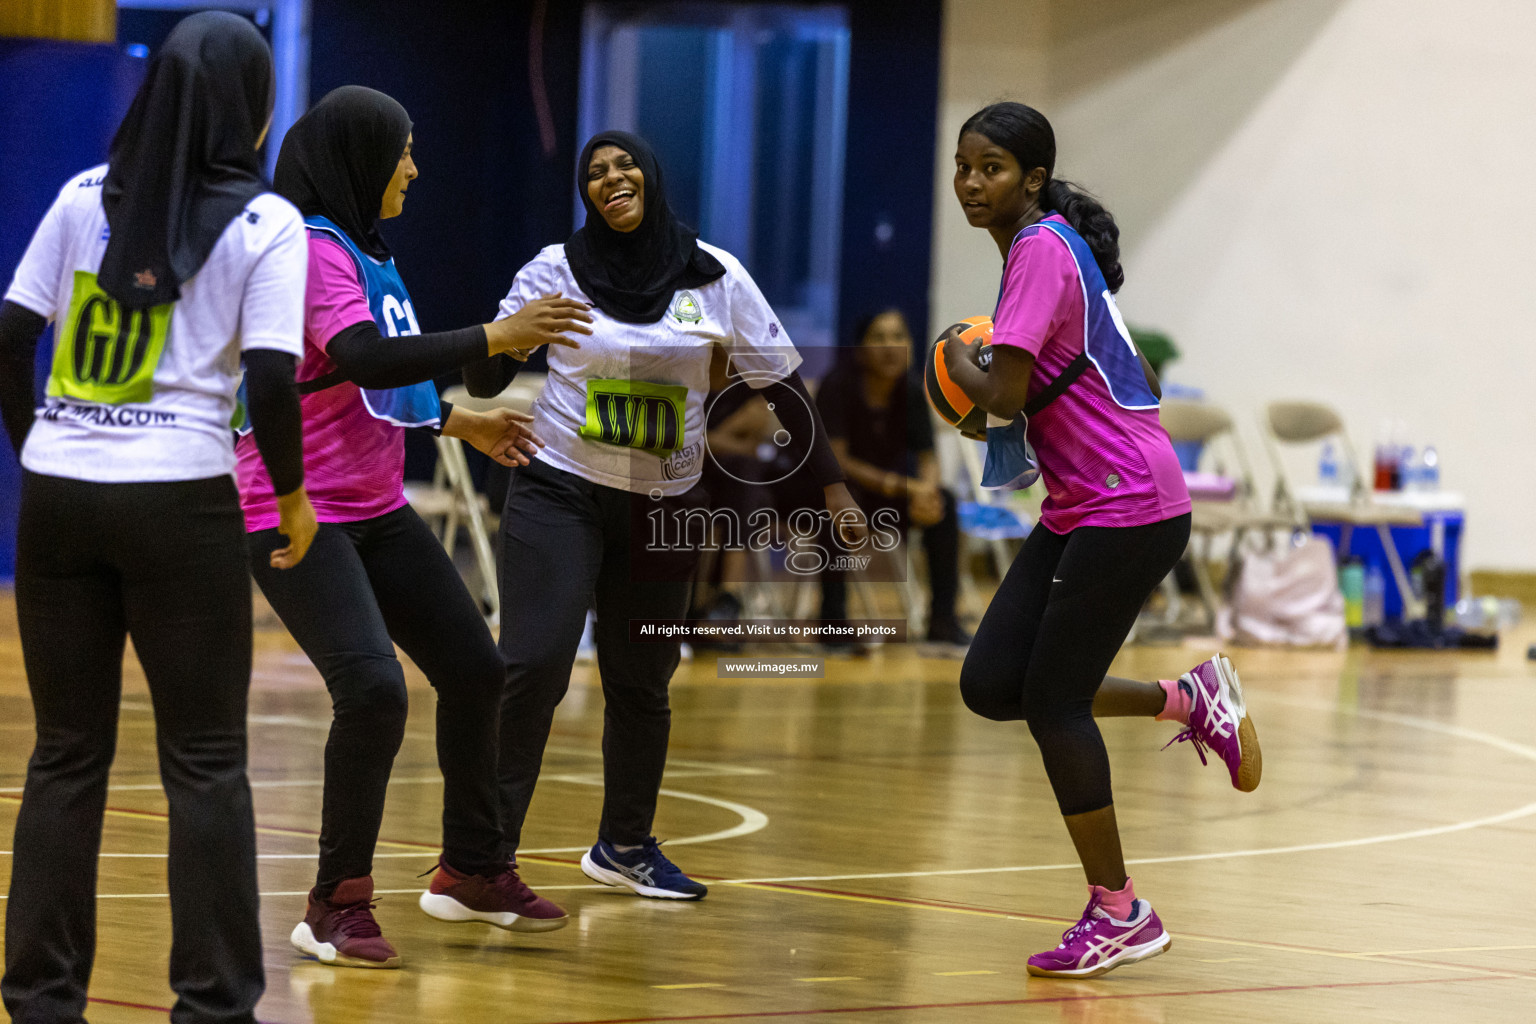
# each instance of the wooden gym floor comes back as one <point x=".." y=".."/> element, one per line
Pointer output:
<point x="878" y="854"/>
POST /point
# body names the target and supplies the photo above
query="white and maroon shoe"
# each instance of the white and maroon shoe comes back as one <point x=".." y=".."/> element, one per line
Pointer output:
<point x="1218" y="721"/>
<point x="341" y="929"/>
<point x="502" y="899"/>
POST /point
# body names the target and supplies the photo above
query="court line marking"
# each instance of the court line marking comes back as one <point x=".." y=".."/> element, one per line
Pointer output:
<point x="813" y="981"/>
<point x="1006" y="915"/>
<point x="1448" y="949"/>
<point x="1044" y="1000"/>
<point x="305" y="892"/>
<point x="752" y="820"/>
<point x="1460" y="732"/>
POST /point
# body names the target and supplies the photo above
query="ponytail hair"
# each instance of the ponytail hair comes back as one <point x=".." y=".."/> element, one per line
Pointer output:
<point x="1024" y="132"/>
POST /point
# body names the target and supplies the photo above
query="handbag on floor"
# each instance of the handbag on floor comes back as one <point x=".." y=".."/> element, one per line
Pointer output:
<point x="1285" y="594"/>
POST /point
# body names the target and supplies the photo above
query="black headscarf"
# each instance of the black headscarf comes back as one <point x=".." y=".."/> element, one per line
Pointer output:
<point x="631" y="276"/>
<point x="183" y="162"/>
<point x="337" y="160"/>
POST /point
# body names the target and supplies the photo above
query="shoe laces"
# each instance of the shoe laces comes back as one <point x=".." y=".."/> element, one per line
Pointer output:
<point x="509" y="881"/>
<point x="651" y="848"/>
<point x="1188" y="735"/>
<point x="1084" y="925"/>
<point x="356" y="920"/>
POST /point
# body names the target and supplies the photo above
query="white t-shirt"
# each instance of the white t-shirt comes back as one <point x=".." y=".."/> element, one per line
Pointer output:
<point x="643" y="386"/>
<point x="149" y="397"/>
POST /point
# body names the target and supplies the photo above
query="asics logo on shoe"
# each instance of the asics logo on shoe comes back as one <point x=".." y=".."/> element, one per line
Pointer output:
<point x="1217" y="721"/>
<point x="1102" y="947"/>
<point x="645" y="874"/>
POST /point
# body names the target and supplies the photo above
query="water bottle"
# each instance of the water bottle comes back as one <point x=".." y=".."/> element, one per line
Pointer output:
<point x="1427" y="575"/>
<point x="1328" y="466"/>
<point x="1352" y="584"/>
<point x="1374" y="598"/>
<point x="1429" y="469"/>
<point x="1410" y="468"/>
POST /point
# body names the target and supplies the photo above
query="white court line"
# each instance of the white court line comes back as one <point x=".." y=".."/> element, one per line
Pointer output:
<point x="1460" y="732"/>
<point x="752" y="824"/>
<point x="752" y="820"/>
<point x="305" y="892"/>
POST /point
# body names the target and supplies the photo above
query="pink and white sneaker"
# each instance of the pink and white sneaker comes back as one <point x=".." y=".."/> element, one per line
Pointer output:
<point x="1098" y="943"/>
<point x="1218" y="720"/>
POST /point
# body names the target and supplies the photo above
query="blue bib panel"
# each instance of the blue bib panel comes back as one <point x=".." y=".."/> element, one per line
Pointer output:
<point x="1105" y="338"/>
<point x="415" y="405"/>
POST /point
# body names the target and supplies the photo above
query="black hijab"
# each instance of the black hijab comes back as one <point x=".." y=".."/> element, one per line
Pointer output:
<point x="337" y="160"/>
<point x="632" y="275"/>
<point x="183" y="162"/>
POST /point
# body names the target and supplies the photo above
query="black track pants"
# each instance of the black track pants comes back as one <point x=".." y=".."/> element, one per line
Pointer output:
<point x="364" y="587"/>
<point x="569" y="545"/>
<point x="164" y="563"/>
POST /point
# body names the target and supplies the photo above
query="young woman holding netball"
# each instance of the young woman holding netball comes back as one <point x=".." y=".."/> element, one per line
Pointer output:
<point x="161" y="270"/>
<point x="1114" y="524"/>
<point x="576" y="530"/>
<point x="376" y="576"/>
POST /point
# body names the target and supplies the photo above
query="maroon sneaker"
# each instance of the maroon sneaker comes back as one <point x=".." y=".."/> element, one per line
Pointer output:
<point x="341" y="930"/>
<point x="502" y="899"/>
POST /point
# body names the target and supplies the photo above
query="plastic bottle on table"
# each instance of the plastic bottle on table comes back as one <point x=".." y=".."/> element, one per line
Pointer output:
<point x="1429" y="469"/>
<point x="1409" y="468"/>
<point x="1328" y="466"/>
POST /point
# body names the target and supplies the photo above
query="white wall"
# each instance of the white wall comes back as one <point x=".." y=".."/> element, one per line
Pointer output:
<point x="1319" y="198"/>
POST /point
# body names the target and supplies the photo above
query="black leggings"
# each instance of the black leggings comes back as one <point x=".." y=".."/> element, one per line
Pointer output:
<point x="567" y="545"/>
<point x="164" y="563"/>
<point x="363" y="585"/>
<point x="1050" y="633"/>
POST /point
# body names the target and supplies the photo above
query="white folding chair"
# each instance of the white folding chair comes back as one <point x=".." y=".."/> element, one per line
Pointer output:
<point x="1297" y="422"/>
<point x="451" y="499"/>
<point x="1212" y="427"/>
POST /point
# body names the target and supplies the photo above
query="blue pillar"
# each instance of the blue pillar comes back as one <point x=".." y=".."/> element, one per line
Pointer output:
<point x="59" y="105"/>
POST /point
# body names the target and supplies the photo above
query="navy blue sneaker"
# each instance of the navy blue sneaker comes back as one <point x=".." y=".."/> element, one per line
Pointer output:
<point x="646" y="870"/>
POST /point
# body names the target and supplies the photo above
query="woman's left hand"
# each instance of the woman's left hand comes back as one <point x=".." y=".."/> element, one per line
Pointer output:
<point x="849" y="523"/>
<point x="503" y="435"/>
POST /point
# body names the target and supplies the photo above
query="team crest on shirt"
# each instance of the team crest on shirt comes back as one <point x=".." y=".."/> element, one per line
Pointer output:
<point x="685" y="308"/>
<point x="683" y="463"/>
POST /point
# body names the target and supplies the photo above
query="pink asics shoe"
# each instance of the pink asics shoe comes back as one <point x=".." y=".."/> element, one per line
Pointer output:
<point x="341" y="930"/>
<point x="1218" y="720"/>
<point x="502" y="899"/>
<point x="1098" y="943"/>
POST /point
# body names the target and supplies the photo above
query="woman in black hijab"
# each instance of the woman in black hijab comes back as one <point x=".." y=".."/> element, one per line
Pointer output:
<point x="623" y="421"/>
<point x="377" y="576"/>
<point x="632" y="272"/>
<point x="130" y="523"/>
<point x="183" y="162"/>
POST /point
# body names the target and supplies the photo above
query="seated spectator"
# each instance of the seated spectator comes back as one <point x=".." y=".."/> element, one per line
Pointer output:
<point x="878" y="425"/>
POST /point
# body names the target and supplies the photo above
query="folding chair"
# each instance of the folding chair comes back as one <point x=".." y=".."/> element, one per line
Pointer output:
<point x="1297" y="422"/>
<point x="452" y="500"/>
<point x="1211" y="517"/>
